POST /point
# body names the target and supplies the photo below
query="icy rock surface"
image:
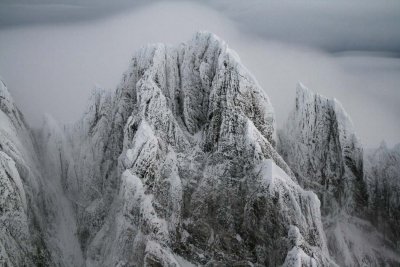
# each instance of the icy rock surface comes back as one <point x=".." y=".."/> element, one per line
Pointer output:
<point x="174" y="166"/>
<point x="178" y="167"/>
<point x="35" y="228"/>
<point x="16" y="240"/>
<point x="319" y="144"/>
<point x="382" y="171"/>
<point x="14" y="234"/>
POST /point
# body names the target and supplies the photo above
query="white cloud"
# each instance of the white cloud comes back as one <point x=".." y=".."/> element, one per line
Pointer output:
<point x="52" y="68"/>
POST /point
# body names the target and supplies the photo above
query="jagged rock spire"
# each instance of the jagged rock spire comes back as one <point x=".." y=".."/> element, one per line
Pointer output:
<point x="319" y="142"/>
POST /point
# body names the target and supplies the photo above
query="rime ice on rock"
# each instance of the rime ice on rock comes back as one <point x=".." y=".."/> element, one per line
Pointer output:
<point x="178" y="167"/>
<point x="319" y="144"/>
<point x="189" y="130"/>
<point x="36" y="218"/>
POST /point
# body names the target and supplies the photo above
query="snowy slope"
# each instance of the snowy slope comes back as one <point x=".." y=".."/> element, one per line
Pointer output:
<point x="382" y="170"/>
<point x="20" y="237"/>
<point x="15" y="239"/>
<point x="319" y="144"/>
<point x="36" y="222"/>
<point x="62" y="229"/>
<point x="179" y="167"/>
<point x="169" y="166"/>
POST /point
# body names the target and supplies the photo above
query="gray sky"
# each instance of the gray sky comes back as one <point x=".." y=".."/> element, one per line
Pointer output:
<point x="52" y="53"/>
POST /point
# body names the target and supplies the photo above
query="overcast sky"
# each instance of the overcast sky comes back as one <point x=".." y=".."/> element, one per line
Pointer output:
<point x="52" y="53"/>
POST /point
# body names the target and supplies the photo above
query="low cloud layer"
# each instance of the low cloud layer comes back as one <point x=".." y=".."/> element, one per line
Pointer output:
<point x="328" y="25"/>
<point x="332" y="26"/>
<point x="52" y="67"/>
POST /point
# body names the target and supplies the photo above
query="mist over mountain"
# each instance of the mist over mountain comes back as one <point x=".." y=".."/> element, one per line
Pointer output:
<point x="53" y="51"/>
<point x="183" y="165"/>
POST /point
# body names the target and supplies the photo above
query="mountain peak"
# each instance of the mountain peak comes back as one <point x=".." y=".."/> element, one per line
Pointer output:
<point x="180" y="164"/>
<point x="323" y="126"/>
<point x="186" y="124"/>
<point x="301" y="88"/>
<point x="6" y="101"/>
<point x="383" y="145"/>
<point x="319" y="144"/>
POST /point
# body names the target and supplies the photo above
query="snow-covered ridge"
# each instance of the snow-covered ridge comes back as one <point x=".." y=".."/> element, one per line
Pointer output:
<point x="319" y="130"/>
<point x="179" y="167"/>
<point x="32" y="215"/>
<point x="188" y="123"/>
<point x="320" y="145"/>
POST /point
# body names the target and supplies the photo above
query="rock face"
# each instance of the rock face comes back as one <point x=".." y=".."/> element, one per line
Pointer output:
<point x="183" y="148"/>
<point x="179" y="167"/>
<point x="15" y="239"/>
<point x="36" y="228"/>
<point x="319" y="144"/>
<point x="382" y="171"/>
